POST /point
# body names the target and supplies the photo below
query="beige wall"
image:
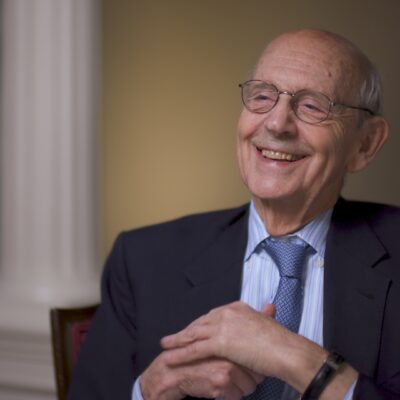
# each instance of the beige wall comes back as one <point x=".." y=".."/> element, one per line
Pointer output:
<point x="171" y="99"/>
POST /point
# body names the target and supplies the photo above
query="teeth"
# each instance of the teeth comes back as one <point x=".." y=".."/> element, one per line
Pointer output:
<point x="277" y="155"/>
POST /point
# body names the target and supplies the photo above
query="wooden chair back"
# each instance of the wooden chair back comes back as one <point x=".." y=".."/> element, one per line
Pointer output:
<point x="69" y="327"/>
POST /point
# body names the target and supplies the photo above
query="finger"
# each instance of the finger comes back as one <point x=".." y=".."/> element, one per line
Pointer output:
<point x="159" y="382"/>
<point x="209" y="378"/>
<point x="226" y="379"/>
<point x="245" y="380"/>
<point x="231" y="393"/>
<point x="192" y="333"/>
<point x="229" y="381"/>
<point x="192" y="352"/>
<point x="269" y="310"/>
<point x="184" y="336"/>
<point x="256" y="376"/>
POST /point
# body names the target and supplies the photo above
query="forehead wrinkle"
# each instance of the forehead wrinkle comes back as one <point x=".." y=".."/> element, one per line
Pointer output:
<point x="299" y="63"/>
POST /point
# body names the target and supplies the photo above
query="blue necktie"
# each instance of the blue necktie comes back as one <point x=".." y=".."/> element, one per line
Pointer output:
<point x="289" y="256"/>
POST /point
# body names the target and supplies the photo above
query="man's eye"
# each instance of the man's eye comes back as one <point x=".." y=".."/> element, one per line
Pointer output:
<point x="311" y="106"/>
<point x="262" y="97"/>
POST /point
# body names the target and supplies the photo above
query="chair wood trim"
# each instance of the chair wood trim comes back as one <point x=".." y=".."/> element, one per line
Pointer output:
<point x="63" y="321"/>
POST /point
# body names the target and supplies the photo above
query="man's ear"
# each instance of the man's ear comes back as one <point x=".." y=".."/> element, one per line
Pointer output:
<point x="373" y="134"/>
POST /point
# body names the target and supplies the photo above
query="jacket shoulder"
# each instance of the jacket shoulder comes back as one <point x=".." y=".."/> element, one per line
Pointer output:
<point x="380" y="216"/>
<point x="184" y="234"/>
<point x="201" y="222"/>
<point x="382" y="220"/>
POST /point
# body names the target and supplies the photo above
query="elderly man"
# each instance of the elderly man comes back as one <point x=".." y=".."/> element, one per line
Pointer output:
<point x="297" y="293"/>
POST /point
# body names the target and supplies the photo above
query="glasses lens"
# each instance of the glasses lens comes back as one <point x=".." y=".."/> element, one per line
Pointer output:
<point x="311" y="107"/>
<point x="258" y="96"/>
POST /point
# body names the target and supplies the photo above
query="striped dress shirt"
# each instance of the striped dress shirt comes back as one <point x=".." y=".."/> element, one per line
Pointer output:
<point x="261" y="275"/>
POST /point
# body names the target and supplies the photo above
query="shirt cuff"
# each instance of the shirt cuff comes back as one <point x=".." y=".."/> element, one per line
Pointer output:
<point x="349" y="393"/>
<point x="137" y="392"/>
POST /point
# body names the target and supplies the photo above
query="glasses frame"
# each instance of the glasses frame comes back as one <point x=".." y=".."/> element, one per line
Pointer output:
<point x="331" y="103"/>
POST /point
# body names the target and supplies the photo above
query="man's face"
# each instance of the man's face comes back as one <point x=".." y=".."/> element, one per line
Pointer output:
<point x="282" y="158"/>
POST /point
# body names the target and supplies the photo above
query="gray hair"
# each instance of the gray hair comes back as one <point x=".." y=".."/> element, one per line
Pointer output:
<point x="371" y="93"/>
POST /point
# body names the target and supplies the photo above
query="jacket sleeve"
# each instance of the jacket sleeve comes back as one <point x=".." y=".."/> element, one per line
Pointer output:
<point x="105" y="365"/>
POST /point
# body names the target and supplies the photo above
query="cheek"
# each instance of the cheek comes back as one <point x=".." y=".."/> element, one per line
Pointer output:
<point x="346" y="140"/>
<point x="336" y="147"/>
<point x="248" y="124"/>
<point x="245" y="131"/>
<point x="242" y="155"/>
<point x="242" y="123"/>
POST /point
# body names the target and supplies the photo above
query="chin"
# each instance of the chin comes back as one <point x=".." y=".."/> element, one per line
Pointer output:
<point x="267" y="196"/>
<point x="270" y="192"/>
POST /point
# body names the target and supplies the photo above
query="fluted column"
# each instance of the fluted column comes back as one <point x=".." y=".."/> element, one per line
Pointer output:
<point x="49" y="192"/>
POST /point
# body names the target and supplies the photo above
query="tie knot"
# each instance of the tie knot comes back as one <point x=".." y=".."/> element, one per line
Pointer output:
<point x="288" y="255"/>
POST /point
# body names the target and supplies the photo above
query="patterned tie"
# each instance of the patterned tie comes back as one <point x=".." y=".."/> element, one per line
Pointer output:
<point x="289" y="256"/>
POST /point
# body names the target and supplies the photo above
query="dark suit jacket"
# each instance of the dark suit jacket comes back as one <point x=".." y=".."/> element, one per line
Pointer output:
<point x="160" y="278"/>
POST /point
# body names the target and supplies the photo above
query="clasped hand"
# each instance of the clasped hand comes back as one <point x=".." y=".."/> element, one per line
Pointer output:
<point x="224" y="353"/>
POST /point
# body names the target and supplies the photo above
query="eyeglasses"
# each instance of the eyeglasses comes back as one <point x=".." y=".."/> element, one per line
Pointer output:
<point x="312" y="107"/>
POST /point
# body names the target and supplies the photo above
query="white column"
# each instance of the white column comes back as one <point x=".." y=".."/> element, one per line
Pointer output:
<point x="49" y="193"/>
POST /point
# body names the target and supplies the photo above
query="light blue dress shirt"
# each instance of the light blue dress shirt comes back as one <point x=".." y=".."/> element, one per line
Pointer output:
<point x="261" y="278"/>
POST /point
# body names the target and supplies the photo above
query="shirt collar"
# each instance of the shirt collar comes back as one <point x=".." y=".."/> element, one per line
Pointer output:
<point x="314" y="233"/>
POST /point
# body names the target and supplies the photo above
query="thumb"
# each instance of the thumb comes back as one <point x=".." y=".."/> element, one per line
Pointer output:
<point x="269" y="310"/>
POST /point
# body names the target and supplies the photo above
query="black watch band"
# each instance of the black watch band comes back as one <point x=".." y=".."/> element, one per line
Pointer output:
<point x="323" y="376"/>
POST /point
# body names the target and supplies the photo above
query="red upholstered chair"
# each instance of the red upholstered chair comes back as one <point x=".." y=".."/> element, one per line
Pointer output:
<point x="69" y="327"/>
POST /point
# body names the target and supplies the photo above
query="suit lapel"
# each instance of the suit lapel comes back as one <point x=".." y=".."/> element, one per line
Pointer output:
<point x="214" y="277"/>
<point x="354" y="290"/>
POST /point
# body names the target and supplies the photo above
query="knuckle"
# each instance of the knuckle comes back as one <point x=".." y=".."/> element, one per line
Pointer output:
<point x="164" y="357"/>
<point x="186" y="384"/>
<point x="193" y="349"/>
<point x="228" y="312"/>
<point x="221" y="379"/>
<point x="222" y="339"/>
<point x="226" y="366"/>
<point x="166" y="381"/>
<point x="168" y="357"/>
<point x="190" y="333"/>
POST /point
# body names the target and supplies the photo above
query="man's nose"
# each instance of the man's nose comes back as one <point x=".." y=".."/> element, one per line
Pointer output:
<point x="281" y="119"/>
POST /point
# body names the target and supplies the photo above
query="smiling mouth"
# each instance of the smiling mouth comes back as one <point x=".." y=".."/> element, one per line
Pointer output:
<point x="279" y="155"/>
